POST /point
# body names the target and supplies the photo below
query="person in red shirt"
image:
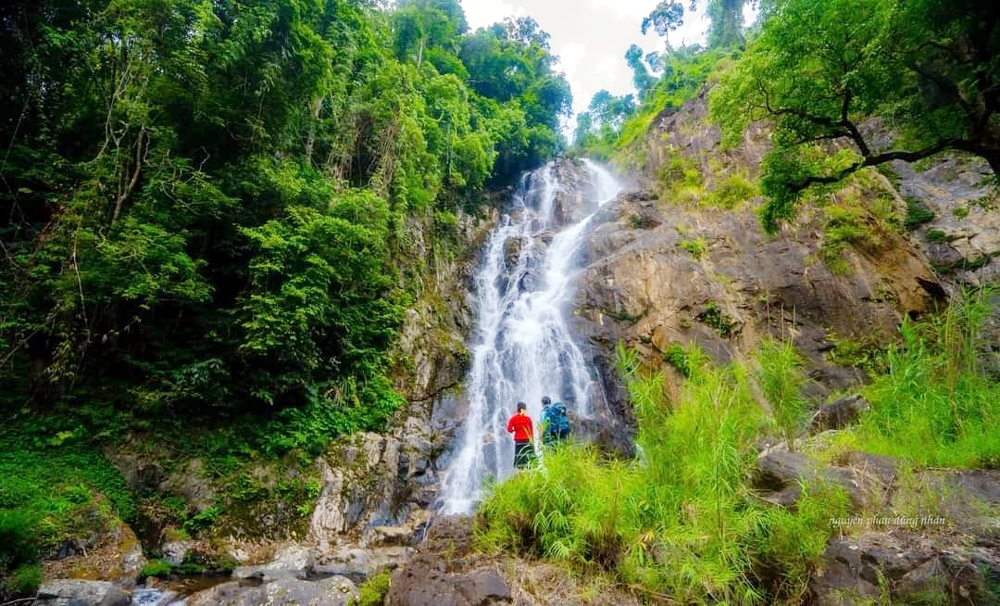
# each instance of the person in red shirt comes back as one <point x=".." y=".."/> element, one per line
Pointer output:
<point x="523" y="429"/>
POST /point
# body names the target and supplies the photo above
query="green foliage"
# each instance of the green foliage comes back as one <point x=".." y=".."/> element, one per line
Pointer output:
<point x="374" y="589"/>
<point x="680" y="358"/>
<point x="731" y="192"/>
<point x="49" y="495"/>
<point x="934" y="407"/>
<point x="156" y="568"/>
<point x="212" y="206"/>
<point x="696" y="247"/>
<point x="715" y="318"/>
<point x="24" y="580"/>
<point x="679" y="179"/>
<point x="938" y="236"/>
<point x="618" y="129"/>
<point x="818" y="70"/>
<point x="847" y="227"/>
<point x="681" y="520"/>
<point x="781" y="378"/>
<point x="866" y="353"/>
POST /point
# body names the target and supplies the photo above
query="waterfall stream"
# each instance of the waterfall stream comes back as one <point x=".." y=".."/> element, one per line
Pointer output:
<point x="522" y="349"/>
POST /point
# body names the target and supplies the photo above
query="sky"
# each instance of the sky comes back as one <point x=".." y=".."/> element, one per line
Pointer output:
<point x="590" y="37"/>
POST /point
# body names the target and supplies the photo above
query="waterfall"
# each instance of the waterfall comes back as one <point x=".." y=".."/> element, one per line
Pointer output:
<point x="522" y="349"/>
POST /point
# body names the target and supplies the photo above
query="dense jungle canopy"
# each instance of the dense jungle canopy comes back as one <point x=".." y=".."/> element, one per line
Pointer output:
<point x="205" y="203"/>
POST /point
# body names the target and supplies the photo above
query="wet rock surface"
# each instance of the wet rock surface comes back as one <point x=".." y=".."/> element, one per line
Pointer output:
<point x="334" y="591"/>
<point x="376" y="488"/>
<point x="443" y="572"/>
<point x="79" y="592"/>
<point x="291" y="561"/>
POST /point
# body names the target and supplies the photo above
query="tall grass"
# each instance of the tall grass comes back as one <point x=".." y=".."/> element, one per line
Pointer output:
<point x="781" y="377"/>
<point x="933" y="406"/>
<point x="680" y="519"/>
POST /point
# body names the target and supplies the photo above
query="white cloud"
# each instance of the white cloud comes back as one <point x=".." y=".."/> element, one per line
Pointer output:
<point x="636" y="9"/>
<point x="590" y="37"/>
<point x="570" y="56"/>
<point x="483" y="13"/>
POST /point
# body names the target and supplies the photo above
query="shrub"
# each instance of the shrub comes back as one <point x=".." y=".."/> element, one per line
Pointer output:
<point x="679" y="358"/>
<point x="715" y="318"/>
<point x="917" y="213"/>
<point x="696" y="247"/>
<point x="374" y="589"/>
<point x="731" y="192"/>
<point x="846" y="226"/>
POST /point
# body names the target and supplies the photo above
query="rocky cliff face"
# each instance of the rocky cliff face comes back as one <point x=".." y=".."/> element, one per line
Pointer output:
<point x="681" y="258"/>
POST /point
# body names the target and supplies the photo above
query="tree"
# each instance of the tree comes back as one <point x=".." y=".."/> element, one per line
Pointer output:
<point x="641" y="77"/>
<point x="726" y="17"/>
<point x="820" y="70"/>
<point x="665" y="18"/>
<point x="609" y="111"/>
<point x="420" y="24"/>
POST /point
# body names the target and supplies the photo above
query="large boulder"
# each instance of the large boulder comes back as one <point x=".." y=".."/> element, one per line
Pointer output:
<point x="358" y="564"/>
<point x="427" y="586"/>
<point x="80" y="592"/>
<point x="113" y="555"/>
<point x="334" y="591"/>
<point x="866" y="479"/>
<point x="838" y="414"/>
<point x="376" y="488"/>
<point x="292" y="561"/>
<point x="904" y="566"/>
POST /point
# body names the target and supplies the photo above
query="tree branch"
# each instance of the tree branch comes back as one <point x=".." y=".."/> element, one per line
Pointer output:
<point x="907" y="156"/>
<point x="135" y="176"/>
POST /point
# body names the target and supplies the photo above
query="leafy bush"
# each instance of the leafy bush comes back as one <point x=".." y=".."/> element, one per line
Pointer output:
<point x="866" y="353"/>
<point x="679" y="358"/>
<point x="938" y="236"/>
<point x="696" y="247"/>
<point x="679" y="180"/>
<point x="731" y="192"/>
<point x="717" y="319"/>
<point x="374" y="589"/>
<point x="846" y="226"/>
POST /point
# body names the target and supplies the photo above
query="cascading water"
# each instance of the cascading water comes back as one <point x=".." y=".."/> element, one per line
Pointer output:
<point x="523" y="348"/>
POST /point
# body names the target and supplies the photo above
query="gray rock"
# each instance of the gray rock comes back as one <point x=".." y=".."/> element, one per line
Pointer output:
<point x="335" y="591"/>
<point x="838" y="414"/>
<point x="780" y="473"/>
<point x="358" y="564"/>
<point x="420" y="585"/>
<point x="175" y="551"/>
<point x="294" y="561"/>
<point x="220" y="595"/>
<point x="78" y="592"/>
<point x="904" y="567"/>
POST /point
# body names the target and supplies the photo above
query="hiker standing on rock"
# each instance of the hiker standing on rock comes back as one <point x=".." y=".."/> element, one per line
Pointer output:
<point x="555" y="422"/>
<point x="524" y="432"/>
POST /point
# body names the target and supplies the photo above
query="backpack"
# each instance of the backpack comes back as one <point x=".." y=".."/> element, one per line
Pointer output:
<point x="558" y="421"/>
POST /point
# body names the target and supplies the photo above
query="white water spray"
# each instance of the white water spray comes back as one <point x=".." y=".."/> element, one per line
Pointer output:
<point x="523" y="349"/>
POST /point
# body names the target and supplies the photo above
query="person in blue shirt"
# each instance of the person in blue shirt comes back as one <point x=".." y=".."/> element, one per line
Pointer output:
<point x="555" y="422"/>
